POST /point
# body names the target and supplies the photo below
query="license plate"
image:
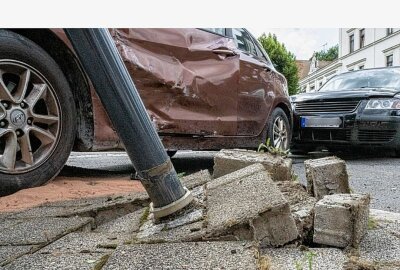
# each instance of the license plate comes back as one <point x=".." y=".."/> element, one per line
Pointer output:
<point x="320" y="122"/>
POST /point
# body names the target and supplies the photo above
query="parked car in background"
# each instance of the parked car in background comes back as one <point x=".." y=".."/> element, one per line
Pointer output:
<point x="203" y="89"/>
<point x="359" y="108"/>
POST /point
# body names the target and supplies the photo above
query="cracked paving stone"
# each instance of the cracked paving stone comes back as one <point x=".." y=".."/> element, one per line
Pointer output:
<point x="56" y="262"/>
<point x="294" y="258"/>
<point x="12" y="252"/>
<point x="81" y="242"/>
<point x="380" y="245"/>
<point x="41" y="230"/>
<point x="126" y="224"/>
<point x="188" y="255"/>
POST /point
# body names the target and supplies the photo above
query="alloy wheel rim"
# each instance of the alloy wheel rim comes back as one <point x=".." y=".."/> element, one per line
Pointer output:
<point x="30" y="118"/>
<point x="280" y="134"/>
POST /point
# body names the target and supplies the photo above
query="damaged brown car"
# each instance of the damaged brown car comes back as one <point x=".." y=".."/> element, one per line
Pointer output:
<point x="204" y="89"/>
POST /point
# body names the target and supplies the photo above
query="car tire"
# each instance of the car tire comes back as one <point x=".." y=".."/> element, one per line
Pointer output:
<point x="38" y="115"/>
<point x="279" y="127"/>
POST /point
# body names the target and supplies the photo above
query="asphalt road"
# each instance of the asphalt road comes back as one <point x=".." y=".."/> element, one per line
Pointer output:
<point x="379" y="176"/>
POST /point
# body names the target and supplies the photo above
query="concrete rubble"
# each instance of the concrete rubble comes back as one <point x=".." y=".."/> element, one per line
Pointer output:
<point x="262" y="214"/>
<point x="326" y="176"/>
<point x="341" y="220"/>
<point x="250" y="215"/>
<point x="228" y="161"/>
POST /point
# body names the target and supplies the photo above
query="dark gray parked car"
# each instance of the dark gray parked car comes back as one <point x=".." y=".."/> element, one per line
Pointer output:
<point x="359" y="108"/>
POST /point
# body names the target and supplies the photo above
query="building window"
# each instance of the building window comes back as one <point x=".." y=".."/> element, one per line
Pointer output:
<point x="351" y="39"/>
<point x="361" y="67"/>
<point x="312" y="88"/>
<point x="389" y="60"/>
<point x="389" y="31"/>
<point x="362" y="38"/>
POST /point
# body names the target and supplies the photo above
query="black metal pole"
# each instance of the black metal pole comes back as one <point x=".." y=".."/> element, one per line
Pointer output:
<point x="103" y="64"/>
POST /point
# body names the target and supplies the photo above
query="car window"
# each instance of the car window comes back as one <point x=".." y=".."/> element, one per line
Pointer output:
<point x="219" y="31"/>
<point x="374" y="78"/>
<point x="243" y="41"/>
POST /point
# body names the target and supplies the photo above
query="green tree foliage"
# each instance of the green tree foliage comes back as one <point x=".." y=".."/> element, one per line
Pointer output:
<point x="283" y="60"/>
<point x="328" y="55"/>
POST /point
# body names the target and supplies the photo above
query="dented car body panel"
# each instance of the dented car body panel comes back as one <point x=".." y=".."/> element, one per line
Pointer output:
<point x="200" y="90"/>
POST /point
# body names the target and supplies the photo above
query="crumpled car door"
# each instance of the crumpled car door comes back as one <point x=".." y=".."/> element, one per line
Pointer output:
<point x="187" y="78"/>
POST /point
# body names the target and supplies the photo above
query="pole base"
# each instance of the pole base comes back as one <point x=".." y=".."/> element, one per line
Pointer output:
<point x="173" y="207"/>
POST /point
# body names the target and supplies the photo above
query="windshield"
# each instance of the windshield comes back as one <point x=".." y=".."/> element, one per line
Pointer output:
<point x="374" y="78"/>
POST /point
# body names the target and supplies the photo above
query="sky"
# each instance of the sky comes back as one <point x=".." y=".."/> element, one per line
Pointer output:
<point x="303" y="42"/>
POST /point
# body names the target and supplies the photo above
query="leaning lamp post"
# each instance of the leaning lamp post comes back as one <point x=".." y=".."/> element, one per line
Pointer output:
<point x="113" y="84"/>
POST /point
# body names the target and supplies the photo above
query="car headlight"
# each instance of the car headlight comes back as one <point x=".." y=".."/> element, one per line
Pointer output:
<point x="383" y="104"/>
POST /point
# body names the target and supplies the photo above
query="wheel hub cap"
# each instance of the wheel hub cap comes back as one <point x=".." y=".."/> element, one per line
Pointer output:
<point x="18" y="118"/>
<point x="29" y="118"/>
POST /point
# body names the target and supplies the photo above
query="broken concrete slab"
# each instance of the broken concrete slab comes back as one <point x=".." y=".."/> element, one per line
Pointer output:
<point x="228" y="161"/>
<point x="301" y="205"/>
<point x="237" y="204"/>
<point x="39" y="231"/>
<point x="57" y="261"/>
<point x="326" y="176"/>
<point x="185" y="227"/>
<point x="101" y="209"/>
<point x="84" y="242"/>
<point x="190" y="232"/>
<point x="294" y="258"/>
<point x="187" y="255"/>
<point x="341" y="220"/>
<point x="129" y="223"/>
<point x="196" y="179"/>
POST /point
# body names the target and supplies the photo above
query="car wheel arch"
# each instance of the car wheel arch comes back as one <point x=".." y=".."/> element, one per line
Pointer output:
<point x="77" y="80"/>
<point x="287" y="111"/>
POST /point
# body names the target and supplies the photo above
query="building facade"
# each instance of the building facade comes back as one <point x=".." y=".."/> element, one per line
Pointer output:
<point x="359" y="48"/>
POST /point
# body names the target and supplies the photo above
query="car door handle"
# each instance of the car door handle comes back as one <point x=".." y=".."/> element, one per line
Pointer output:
<point x="226" y="52"/>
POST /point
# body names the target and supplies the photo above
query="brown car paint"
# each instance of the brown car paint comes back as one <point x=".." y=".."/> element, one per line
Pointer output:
<point x="198" y="96"/>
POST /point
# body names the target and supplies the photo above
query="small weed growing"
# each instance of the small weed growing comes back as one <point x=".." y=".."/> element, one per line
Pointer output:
<point x="181" y="174"/>
<point x="372" y="223"/>
<point x="272" y="150"/>
<point x="308" y="260"/>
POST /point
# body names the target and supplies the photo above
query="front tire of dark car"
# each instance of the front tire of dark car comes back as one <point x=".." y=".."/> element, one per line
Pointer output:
<point x="279" y="132"/>
<point x="37" y="115"/>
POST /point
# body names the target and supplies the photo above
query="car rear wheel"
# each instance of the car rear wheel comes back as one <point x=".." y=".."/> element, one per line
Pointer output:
<point x="279" y="133"/>
<point x="37" y="115"/>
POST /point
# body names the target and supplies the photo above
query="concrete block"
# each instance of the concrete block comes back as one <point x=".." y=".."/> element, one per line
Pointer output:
<point x="228" y="161"/>
<point x="326" y="176"/>
<point x="248" y="199"/>
<point x="187" y="255"/>
<point x="341" y="220"/>
<point x="196" y="179"/>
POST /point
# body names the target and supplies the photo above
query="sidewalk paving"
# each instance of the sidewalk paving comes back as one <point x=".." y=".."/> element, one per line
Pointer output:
<point x="98" y="233"/>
